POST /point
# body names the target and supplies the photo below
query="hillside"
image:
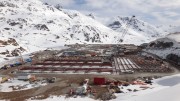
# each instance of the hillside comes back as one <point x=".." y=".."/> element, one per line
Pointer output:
<point x="139" y="31"/>
<point x="163" y="47"/>
<point x="175" y="36"/>
<point x="169" y="28"/>
<point x="36" y="26"/>
<point x="169" y="93"/>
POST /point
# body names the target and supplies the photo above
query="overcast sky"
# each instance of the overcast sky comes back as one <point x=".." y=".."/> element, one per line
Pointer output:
<point x="153" y="11"/>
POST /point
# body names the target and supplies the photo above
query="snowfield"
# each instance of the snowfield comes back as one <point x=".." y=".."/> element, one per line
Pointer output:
<point x="171" y="86"/>
<point x="23" y="85"/>
<point x="162" y="89"/>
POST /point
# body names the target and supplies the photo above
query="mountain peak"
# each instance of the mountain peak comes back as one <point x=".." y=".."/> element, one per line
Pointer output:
<point x="139" y="31"/>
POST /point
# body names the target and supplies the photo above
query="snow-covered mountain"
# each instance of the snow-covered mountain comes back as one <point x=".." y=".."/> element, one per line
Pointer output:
<point x="139" y="31"/>
<point x="36" y="25"/>
<point x="174" y="36"/>
<point x="169" y="28"/>
<point x="175" y="29"/>
<point x="172" y="30"/>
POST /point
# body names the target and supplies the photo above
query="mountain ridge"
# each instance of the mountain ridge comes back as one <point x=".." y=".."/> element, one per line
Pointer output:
<point x="36" y="25"/>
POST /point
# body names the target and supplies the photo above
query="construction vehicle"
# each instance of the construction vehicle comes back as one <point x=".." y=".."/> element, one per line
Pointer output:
<point x="4" y="79"/>
<point x="51" y="80"/>
<point x="32" y="78"/>
<point x="126" y="29"/>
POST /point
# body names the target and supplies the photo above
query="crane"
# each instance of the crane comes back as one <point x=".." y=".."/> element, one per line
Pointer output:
<point x="126" y="29"/>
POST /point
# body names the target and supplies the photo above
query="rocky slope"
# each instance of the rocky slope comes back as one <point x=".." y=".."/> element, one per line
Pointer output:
<point x="9" y="48"/>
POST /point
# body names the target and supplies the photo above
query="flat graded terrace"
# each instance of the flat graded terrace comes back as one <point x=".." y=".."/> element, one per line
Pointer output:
<point x="81" y="65"/>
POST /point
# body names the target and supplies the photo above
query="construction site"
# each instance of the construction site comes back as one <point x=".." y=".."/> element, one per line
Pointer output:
<point x="98" y="59"/>
<point x="81" y="70"/>
<point x="97" y="71"/>
<point x="107" y="59"/>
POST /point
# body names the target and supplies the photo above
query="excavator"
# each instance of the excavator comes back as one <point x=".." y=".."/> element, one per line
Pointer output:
<point x="126" y="29"/>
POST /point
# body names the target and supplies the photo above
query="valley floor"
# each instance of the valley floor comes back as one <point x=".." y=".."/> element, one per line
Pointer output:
<point x="55" y="91"/>
<point x="163" y="89"/>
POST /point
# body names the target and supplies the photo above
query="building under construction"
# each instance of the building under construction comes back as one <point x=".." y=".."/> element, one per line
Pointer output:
<point x="98" y="59"/>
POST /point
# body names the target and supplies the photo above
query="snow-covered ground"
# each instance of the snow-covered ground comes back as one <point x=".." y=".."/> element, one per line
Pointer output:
<point x="162" y="89"/>
<point x="24" y="85"/>
<point x="61" y="98"/>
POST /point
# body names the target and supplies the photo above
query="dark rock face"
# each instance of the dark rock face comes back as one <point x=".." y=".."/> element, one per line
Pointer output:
<point x="14" y="53"/>
<point x="5" y="53"/>
<point x="174" y="58"/>
<point x="9" y="53"/>
<point x="7" y="4"/>
<point x="144" y="45"/>
<point x="91" y="15"/>
<point x="126" y="20"/>
<point x="115" y="25"/>
<point x="161" y="45"/>
<point x="7" y="28"/>
<point x="10" y="41"/>
<point x="59" y="7"/>
<point x="42" y="27"/>
<point x="14" y="23"/>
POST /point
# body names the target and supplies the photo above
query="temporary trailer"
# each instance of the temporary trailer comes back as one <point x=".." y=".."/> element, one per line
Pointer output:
<point x="99" y="81"/>
<point x="26" y="77"/>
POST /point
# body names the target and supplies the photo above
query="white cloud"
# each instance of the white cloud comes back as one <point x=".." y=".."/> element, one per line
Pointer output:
<point x="153" y="11"/>
<point x="166" y="3"/>
<point x="167" y="9"/>
<point x="171" y="14"/>
<point x="165" y="18"/>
